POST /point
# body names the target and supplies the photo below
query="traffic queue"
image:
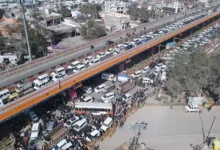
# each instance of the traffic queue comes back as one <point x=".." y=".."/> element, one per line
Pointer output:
<point x="26" y="87"/>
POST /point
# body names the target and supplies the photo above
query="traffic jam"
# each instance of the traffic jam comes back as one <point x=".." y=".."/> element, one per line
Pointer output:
<point x="74" y="119"/>
<point x="24" y="88"/>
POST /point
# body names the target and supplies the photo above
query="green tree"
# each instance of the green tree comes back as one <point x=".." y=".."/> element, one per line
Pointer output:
<point x="133" y="11"/>
<point x="137" y="13"/>
<point x="91" y="9"/>
<point x="92" y="30"/>
<point x="144" y="15"/>
<point x="2" y="44"/>
<point x="189" y="73"/>
<point x="2" y="11"/>
<point x="65" y="12"/>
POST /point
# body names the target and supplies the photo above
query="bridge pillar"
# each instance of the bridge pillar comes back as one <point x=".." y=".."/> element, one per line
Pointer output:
<point x="122" y="66"/>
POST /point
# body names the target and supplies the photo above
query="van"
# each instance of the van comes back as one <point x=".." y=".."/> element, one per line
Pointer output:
<point x="35" y="131"/>
<point x="61" y="144"/>
<point x="68" y="145"/>
<point x="58" y="74"/>
<point x="73" y="65"/>
<point x="4" y="95"/>
<point x="79" y="125"/>
<point x="50" y="127"/>
<point x="79" y="68"/>
<point x="94" y="134"/>
<point x="94" y="61"/>
<point x="108" y="88"/>
<point x="106" y="124"/>
<point x="108" y="76"/>
<point x="43" y="78"/>
<point x="108" y="97"/>
<point x="147" y="80"/>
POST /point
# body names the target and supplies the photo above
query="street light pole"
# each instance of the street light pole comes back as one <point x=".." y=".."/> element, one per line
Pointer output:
<point x="25" y="30"/>
<point x="137" y="127"/>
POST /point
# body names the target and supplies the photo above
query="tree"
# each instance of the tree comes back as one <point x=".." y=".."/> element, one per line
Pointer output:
<point x="2" y="11"/>
<point x="189" y="73"/>
<point x="2" y="44"/>
<point x="144" y="15"/>
<point x="133" y="11"/>
<point x="65" y="12"/>
<point x="92" y="30"/>
<point x="137" y="13"/>
<point x="91" y="9"/>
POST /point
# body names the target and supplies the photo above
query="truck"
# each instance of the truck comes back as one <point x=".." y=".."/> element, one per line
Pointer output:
<point x="24" y="88"/>
<point x="125" y="87"/>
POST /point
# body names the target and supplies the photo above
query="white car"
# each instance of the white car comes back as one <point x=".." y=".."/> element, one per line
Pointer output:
<point x="94" y="61"/>
<point x="87" y="89"/>
<point x="127" y="97"/>
<point x="88" y="59"/>
<point x="100" y="88"/>
<point x="146" y="69"/>
<point x="108" y="97"/>
<point x="110" y="51"/>
<point x="101" y="55"/>
<point x="71" y="121"/>
<point x="73" y="65"/>
<point x="136" y="74"/>
<point x="156" y="72"/>
<point x="190" y="109"/>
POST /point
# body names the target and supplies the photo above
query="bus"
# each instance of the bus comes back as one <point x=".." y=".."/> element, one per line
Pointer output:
<point x="96" y="108"/>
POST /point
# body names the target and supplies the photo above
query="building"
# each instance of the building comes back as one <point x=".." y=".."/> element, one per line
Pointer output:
<point x="116" y="22"/>
<point x="115" y="6"/>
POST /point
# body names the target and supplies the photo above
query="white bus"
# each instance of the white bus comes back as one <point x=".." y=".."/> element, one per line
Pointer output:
<point x="96" y="108"/>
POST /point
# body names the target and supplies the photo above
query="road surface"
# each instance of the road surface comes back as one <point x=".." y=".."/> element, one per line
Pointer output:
<point x="17" y="76"/>
<point x="167" y="129"/>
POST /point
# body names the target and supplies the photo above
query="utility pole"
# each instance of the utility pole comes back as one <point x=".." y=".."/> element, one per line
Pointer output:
<point x="137" y="127"/>
<point x="25" y="30"/>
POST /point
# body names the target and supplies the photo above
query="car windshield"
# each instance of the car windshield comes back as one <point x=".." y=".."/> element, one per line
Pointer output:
<point x="77" y="127"/>
<point x="68" y="122"/>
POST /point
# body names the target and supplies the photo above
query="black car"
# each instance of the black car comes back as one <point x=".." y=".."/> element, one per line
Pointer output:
<point x="107" y="43"/>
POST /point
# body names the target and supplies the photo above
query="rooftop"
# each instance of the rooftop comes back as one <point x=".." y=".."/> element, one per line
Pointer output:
<point x="61" y="28"/>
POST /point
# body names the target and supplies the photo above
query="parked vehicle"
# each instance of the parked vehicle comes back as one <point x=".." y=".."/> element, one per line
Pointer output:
<point x="71" y="121"/>
<point x="191" y="109"/>
<point x="24" y="88"/>
<point x="35" y="131"/>
<point x="79" y="125"/>
<point x="108" y="76"/>
<point x="106" y="124"/>
<point x="33" y="116"/>
<point x="136" y="74"/>
<point x="108" y="88"/>
<point x="87" y="89"/>
<point x="41" y="81"/>
<point x="72" y="66"/>
<point x="125" y="87"/>
<point x="93" y="135"/>
<point x="4" y="97"/>
<point x="99" y="88"/>
<point x="108" y="97"/>
<point x="127" y="97"/>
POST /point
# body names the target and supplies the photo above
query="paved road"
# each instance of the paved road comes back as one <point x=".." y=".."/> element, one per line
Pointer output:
<point x="167" y="129"/>
<point x="83" y="51"/>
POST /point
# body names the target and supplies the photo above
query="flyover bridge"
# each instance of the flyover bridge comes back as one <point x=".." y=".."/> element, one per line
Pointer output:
<point x="44" y="93"/>
<point x="32" y="69"/>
